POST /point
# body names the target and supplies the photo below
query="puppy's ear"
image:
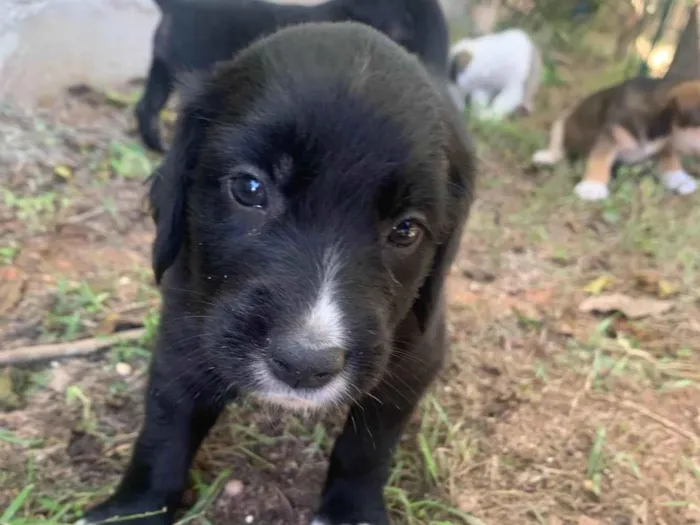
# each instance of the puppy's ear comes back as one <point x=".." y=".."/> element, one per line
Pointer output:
<point x="170" y="181"/>
<point x="459" y="63"/>
<point x="460" y="188"/>
<point x="683" y="104"/>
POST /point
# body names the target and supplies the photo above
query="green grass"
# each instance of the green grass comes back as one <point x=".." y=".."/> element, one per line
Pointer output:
<point x="8" y="252"/>
<point x="596" y="462"/>
<point x="128" y="160"/>
<point x="75" y="305"/>
<point x="33" y="210"/>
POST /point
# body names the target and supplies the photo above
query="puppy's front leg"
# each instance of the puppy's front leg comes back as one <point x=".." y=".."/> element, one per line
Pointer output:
<point x="673" y="176"/>
<point x="361" y="458"/>
<point x="599" y="164"/>
<point x="178" y="417"/>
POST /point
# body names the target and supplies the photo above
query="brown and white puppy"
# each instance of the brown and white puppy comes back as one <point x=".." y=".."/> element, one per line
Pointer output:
<point x="636" y="120"/>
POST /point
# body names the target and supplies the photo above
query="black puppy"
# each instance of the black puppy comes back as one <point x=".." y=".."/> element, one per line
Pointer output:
<point x="306" y="217"/>
<point x="196" y="34"/>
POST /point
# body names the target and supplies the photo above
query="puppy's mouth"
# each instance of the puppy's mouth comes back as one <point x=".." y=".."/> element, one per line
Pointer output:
<point x="333" y="393"/>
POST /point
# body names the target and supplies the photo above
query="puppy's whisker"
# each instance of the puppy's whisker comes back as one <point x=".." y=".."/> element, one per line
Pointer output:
<point x="193" y="317"/>
<point x="403" y="354"/>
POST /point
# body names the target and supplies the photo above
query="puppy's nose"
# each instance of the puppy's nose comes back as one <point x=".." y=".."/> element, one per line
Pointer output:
<point x="302" y="367"/>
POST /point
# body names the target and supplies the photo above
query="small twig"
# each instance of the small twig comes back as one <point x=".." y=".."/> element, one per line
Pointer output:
<point x="81" y="217"/>
<point x="132" y="307"/>
<point x="662" y="420"/>
<point x="689" y="435"/>
<point x="82" y="347"/>
<point x="669" y="369"/>
<point x="590" y="378"/>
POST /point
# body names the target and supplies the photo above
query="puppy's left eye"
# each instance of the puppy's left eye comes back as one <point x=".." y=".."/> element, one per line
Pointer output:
<point x="406" y="232"/>
<point x="248" y="190"/>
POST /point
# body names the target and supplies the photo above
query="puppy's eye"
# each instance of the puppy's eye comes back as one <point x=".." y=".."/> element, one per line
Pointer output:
<point x="248" y="191"/>
<point x="406" y="232"/>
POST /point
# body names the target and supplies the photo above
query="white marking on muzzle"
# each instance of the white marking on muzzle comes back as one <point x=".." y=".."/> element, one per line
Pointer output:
<point x="275" y="392"/>
<point x="323" y="326"/>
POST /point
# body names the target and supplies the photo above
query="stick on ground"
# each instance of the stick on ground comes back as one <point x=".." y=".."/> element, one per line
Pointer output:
<point x="81" y="347"/>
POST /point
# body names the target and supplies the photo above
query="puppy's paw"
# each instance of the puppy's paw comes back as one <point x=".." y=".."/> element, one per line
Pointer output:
<point x="591" y="191"/>
<point x="348" y="503"/>
<point x="545" y="157"/>
<point x="680" y="182"/>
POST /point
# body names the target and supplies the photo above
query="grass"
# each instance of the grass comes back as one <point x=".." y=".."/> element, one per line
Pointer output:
<point x="8" y="252"/>
<point x="128" y="160"/>
<point x="76" y="306"/>
<point x="34" y="210"/>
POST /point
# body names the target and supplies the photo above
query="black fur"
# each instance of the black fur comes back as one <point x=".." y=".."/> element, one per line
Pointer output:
<point x="195" y="34"/>
<point x="321" y="114"/>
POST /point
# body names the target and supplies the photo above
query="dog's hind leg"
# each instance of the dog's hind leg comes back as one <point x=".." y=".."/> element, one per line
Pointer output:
<point x="505" y="103"/>
<point x="673" y="176"/>
<point x="159" y="85"/>
<point x="555" y="149"/>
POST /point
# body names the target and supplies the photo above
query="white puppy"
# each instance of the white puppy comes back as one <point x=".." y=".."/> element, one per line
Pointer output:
<point x="501" y="72"/>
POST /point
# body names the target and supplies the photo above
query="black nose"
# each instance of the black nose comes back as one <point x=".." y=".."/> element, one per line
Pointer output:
<point x="306" y="367"/>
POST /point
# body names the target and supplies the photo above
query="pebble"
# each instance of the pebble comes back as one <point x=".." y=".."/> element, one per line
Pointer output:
<point x="123" y="369"/>
<point x="234" y="488"/>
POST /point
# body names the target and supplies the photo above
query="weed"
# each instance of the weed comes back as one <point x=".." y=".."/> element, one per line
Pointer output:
<point x="9" y="437"/>
<point x="8" y="252"/>
<point x="207" y="494"/>
<point x="508" y="136"/>
<point x="596" y="463"/>
<point x="74" y="305"/>
<point x="16" y="504"/>
<point x="129" y="161"/>
<point x="75" y="393"/>
<point x="33" y="209"/>
<point x="692" y="467"/>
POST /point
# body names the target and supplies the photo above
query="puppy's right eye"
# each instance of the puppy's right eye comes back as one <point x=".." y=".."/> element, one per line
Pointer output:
<point x="248" y="191"/>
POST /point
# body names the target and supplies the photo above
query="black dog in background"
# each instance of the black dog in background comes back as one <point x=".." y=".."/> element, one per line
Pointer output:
<point x="306" y="217"/>
<point x="195" y="34"/>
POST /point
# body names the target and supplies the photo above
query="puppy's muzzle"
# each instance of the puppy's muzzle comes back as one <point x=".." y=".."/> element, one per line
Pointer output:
<point x="303" y="366"/>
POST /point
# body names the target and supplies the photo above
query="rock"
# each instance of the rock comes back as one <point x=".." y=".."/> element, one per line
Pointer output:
<point x="233" y="488"/>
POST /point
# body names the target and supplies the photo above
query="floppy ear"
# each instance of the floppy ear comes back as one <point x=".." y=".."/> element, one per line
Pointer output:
<point x="460" y="181"/>
<point x="458" y="63"/>
<point x="170" y="181"/>
<point x="683" y="104"/>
